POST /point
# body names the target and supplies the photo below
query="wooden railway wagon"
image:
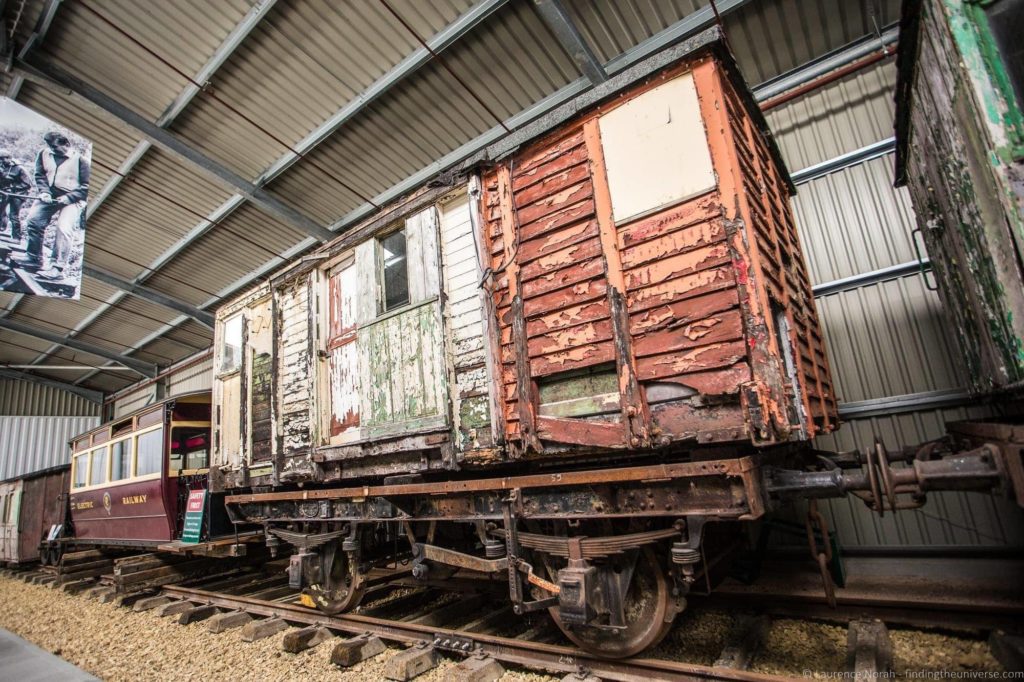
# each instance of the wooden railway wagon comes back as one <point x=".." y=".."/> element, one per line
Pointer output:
<point x="960" y="151"/>
<point x="602" y="327"/>
<point x="131" y="477"/>
<point x="629" y="281"/>
<point x="30" y="507"/>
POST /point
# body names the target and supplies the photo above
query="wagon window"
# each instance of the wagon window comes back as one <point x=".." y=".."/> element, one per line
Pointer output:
<point x="231" y="351"/>
<point x="98" y="466"/>
<point x="121" y="460"/>
<point x="395" y="267"/>
<point x="81" y="469"/>
<point x="149" y="450"/>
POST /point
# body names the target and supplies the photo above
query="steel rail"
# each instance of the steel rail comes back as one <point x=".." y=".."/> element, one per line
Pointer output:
<point x="536" y="655"/>
<point x="939" y="614"/>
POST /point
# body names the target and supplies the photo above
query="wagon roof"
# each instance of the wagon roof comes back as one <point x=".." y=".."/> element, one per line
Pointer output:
<point x="708" y="41"/>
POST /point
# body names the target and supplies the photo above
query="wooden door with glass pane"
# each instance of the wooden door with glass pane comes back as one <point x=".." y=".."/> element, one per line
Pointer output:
<point x="343" y="353"/>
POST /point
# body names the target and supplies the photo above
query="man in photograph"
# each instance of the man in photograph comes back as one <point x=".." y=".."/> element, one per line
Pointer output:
<point x="15" y="185"/>
<point x="62" y="184"/>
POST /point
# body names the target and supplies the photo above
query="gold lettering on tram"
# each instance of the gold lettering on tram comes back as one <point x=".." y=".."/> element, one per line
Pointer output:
<point x="134" y="499"/>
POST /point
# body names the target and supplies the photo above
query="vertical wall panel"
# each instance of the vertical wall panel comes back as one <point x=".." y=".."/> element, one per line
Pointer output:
<point x="887" y="338"/>
<point x="196" y="378"/>
<point x="24" y="398"/>
<point x="30" y="444"/>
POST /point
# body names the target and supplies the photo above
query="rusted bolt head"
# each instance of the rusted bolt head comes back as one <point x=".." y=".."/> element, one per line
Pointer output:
<point x="631" y="410"/>
<point x="634" y="441"/>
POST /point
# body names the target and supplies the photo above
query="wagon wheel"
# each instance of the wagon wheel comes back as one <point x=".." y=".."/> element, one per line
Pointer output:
<point x="342" y="589"/>
<point x="648" y="618"/>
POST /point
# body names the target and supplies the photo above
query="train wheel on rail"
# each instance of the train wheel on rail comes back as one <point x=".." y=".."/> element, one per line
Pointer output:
<point x="649" y="609"/>
<point x="342" y="588"/>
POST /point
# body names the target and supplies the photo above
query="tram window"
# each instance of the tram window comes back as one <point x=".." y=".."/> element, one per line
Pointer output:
<point x="98" y="466"/>
<point x="149" y="451"/>
<point x="231" y="353"/>
<point x="81" y="469"/>
<point x="121" y="460"/>
<point x="190" y="448"/>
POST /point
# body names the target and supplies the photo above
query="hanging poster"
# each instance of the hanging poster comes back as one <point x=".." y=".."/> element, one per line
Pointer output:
<point x="44" y="187"/>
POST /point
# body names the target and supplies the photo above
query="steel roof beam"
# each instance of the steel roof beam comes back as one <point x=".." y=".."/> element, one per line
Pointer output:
<point x="690" y="25"/>
<point x="687" y="26"/>
<point x="216" y="60"/>
<point x="51" y="76"/>
<point x="441" y="41"/>
<point x="89" y="394"/>
<point x="42" y="26"/>
<point x="830" y="62"/>
<point x="150" y="295"/>
<point x="146" y="369"/>
<point x="557" y="18"/>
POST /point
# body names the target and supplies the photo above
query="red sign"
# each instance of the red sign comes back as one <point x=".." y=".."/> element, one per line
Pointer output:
<point x="196" y="500"/>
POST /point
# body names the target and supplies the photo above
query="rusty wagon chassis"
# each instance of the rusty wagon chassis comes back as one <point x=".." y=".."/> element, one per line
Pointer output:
<point x="597" y="538"/>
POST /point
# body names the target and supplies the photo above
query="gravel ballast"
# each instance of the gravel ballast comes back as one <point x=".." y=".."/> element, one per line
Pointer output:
<point x="118" y="644"/>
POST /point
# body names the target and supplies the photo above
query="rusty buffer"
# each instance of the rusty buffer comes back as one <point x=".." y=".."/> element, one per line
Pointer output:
<point x="648" y="279"/>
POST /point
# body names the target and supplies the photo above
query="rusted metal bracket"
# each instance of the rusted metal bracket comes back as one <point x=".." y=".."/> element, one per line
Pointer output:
<point x="517" y="565"/>
<point x="450" y="557"/>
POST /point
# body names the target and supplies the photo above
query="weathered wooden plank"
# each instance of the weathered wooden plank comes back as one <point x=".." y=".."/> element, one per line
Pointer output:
<point x="681" y="288"/>
<point x="683" y="362"/>
<point x="716" y="329"/>
<point x="531" y="160"/>
<point x="578" y="293"/>
<point x="550" y="164"/>
<point x="563" y="278"/>
<point x="567" y="176"/>
<point x="724" y="381"/>
<point x="564" y="340"/>
<point x="566" y="215"/>
<point x="678" y="313"/>
<point x="574" y="358"/>
<point x="704" y="258"/>
<point x="570" y="257"/>
<point x="580" y="432"/>
<point x="674" y="243"/>
<point x="701" y="210"/>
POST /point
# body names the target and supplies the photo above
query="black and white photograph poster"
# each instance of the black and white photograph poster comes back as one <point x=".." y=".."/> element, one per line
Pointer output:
<point x="44" y="190"/>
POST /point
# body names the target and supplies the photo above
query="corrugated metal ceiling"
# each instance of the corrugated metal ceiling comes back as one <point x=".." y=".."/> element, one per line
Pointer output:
<point x="300" y="65"/>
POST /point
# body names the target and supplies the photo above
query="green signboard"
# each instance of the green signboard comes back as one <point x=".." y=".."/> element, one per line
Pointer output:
<point x="194" y="516"/>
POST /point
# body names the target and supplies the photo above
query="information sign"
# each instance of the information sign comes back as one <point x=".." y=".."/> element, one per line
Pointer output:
<point x="194" y="516"/>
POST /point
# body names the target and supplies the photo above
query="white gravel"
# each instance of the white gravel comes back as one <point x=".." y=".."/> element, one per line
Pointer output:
<point x="118" y="644"/>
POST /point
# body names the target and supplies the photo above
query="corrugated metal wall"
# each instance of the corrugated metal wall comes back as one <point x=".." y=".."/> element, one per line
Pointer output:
<point x="30" y="444"/>
<point x="197" y="377"/>
<point x="24" y="398"/>
<point x="887" y="338"/>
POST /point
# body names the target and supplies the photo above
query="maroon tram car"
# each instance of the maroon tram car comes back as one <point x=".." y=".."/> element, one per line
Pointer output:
<point x="131" y="477"/>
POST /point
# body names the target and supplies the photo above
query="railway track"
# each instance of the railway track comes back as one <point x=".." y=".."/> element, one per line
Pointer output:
<point x="475" y="626"/>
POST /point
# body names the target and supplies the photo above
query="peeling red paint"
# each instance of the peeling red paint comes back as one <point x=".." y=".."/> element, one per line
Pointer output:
<point x="679" y="296"/>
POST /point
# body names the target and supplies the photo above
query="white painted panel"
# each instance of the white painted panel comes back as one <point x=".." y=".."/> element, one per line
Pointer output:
<point x="366" y="269"/>
<point x="655" y="149"/>
<point x="421" y="238"/>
